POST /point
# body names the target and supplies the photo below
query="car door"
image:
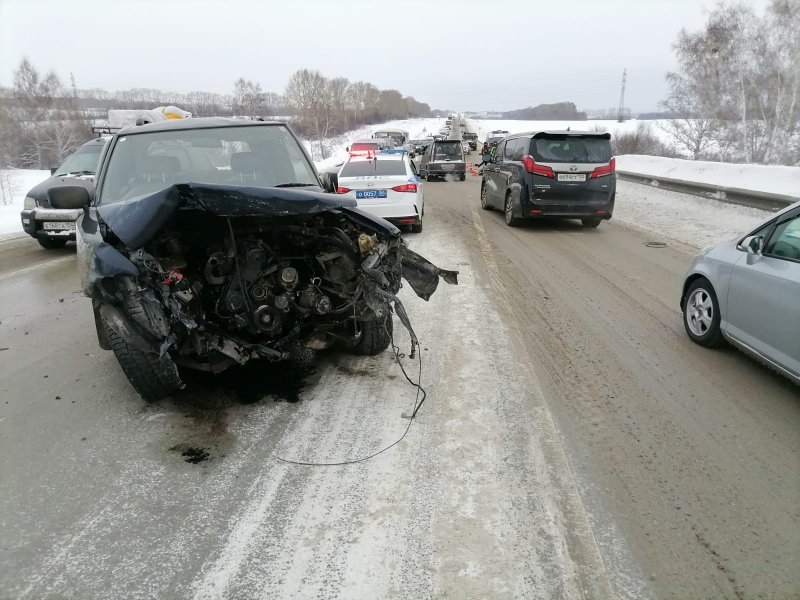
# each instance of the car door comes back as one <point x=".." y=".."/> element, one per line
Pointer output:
<point x="512" y="163"/>
<point x="426" y="157"/>
<point x="496" y="195"/>
<point x="420" y="185"/>
<point x="763" y="305"/>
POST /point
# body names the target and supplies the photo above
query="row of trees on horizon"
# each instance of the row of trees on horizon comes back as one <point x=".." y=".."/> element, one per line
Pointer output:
<point x="42" y="120"/>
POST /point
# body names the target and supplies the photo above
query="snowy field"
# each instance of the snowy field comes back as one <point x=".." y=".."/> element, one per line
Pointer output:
<point x="14" y="184"/>
<point x="484" y="126"/>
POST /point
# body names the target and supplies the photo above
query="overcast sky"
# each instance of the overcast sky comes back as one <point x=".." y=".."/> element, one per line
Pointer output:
<point x="464" y="55"/>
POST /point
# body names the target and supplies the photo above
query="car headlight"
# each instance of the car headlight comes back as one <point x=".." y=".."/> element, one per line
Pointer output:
<point x="29" y="203"/>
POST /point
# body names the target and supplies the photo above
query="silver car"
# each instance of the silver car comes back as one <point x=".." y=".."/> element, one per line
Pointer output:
<point x="747" y="291"/>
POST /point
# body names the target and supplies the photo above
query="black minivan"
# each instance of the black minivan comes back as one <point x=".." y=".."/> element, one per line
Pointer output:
<point x="564" y="174"/>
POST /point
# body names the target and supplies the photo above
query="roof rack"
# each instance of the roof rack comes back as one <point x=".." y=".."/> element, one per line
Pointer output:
<point x="105" y="130"/>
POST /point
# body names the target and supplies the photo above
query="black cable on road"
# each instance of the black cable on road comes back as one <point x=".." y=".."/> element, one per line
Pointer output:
<point x="417" y="405"/>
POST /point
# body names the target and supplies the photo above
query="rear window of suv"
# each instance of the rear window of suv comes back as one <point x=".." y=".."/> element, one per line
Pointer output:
<point x="365" y="168"/>
<point x="572" y="149"/>
<point x="447" y="149"/>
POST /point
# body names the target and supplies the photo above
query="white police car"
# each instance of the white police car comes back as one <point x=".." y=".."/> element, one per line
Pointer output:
<point x="385" y="184"/>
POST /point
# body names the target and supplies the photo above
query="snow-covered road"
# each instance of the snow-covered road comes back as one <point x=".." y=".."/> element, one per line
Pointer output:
<point x="573" y="442"/>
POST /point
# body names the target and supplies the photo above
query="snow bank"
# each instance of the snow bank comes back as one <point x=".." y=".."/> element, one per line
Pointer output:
<point x="14" y="184"/>
<point x="761" y="178"/>
<point x="417" y="128"/>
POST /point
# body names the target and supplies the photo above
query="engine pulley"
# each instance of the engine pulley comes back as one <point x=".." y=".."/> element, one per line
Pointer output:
<point x="266" y="319"/>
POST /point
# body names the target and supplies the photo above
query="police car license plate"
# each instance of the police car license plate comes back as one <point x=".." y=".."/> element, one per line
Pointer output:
<point x="572" y="176"/>
<point x="59" y="225"/>
<point x="366" y="194"/>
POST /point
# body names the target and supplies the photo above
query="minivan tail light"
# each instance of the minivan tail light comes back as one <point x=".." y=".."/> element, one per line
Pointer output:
<point x="531" y="167"/>
<point x="342" y="190"/>
<point x="608" y="169"/>
<point x="406" y="187"/>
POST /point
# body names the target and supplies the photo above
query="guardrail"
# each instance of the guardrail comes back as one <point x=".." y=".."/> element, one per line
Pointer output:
<point x="762" y="200"/>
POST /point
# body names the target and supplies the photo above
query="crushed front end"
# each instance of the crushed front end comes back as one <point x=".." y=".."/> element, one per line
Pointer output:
<point x="208" y="277"/>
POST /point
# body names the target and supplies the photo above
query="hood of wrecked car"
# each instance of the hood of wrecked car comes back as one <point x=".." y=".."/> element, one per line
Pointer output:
<point x="137" y="220"/>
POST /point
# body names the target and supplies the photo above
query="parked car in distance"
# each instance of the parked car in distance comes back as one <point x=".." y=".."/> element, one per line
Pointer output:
<point x="421" y="145"/>
<point x="565" y="174"/>
<point x="472" y="138"/>
<point x="53" y="227"/>
<point x="747" y="291"/>
<point x="400" y="137"/>
<point x="494" y="138"/>
<point x="386" y="185"/>
<point x="444" y="158"/>
<point x="374" y="145"/>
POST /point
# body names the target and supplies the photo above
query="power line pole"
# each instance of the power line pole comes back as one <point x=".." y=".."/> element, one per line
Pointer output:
<point x="621" y="111"/>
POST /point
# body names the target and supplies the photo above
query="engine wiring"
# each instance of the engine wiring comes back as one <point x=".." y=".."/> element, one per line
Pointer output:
<point x="417" y="405"/>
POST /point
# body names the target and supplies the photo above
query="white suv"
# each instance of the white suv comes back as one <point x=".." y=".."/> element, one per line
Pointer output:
<point x="385" y="184"/>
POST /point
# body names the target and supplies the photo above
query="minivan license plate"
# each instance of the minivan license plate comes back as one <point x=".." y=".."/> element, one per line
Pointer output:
<point x="364" y="194"/>
<point x="572" y="176"/>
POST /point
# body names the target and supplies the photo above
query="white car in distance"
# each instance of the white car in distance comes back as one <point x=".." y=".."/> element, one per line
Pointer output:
<point x="385" y="184"/>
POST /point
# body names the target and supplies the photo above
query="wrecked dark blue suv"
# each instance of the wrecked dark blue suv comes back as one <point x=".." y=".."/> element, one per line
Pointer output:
<point x="212" y="242"/>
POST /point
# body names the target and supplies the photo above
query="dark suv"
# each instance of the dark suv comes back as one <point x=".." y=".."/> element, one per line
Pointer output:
<point x="444" y="158"/>
<point x="567" y="174"/>
<point x="53" y="227"/>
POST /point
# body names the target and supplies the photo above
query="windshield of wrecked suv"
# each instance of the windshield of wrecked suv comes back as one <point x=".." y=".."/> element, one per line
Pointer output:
<point x="253" y="156"/>
<point x="84" y="161"/>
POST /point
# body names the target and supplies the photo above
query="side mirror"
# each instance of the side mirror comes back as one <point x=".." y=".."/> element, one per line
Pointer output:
<point x="423" y="174"/>
<point x="330" y="182"/>
<point x="69" y="196"/>
<point x="53" y="170"/>
<point x="347" y="149"/>
<point x="753" y="244"/>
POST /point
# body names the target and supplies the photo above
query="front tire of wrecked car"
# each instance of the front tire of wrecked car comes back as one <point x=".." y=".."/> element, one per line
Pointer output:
<point x="154" y="377"/>
<point x="376" y="335"/>
<point x="51" y="243"/>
